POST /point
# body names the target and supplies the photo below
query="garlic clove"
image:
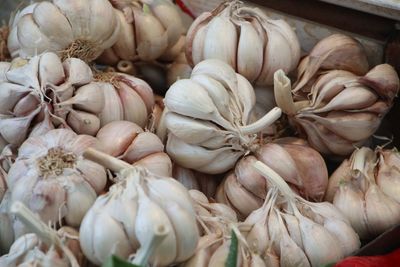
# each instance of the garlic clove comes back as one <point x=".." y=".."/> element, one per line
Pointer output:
<point x="115" y="137"/>
<point x="26" y="105"/>
<point x="249" y="178"/>
<point x="197" y="30"/>
<point x="113" y="109"/>
<point x="80" y="197"/>
<point x="351" y="203"/>
<point x="125" y="47"/>
<point x="78" y="72"/>
<point x="152" y="39"/>
<point x="223" y="40"/>
<point x="24" y="74"/>
<point x="10" y="95"/>
<point x="351" y="126"/>
<point x="247" y="98"/>
<point x="222" y="162"/>
<point x="258" y="238"/>
<point x="94" y="174"/>
<point x="293" y="228"/>
<point x="388" y="174"/>
<point x="133" y="105"/>
<point x="175" y="51"/>
<point x="320" y="246"/>
<point x="382" y="212"/>
<point x="53" y="24"/>
<point x="87" y="98"/>
<point x="151" y="216"/>
<point x="143" y="145"/>
<point x="219" y="257"/>
<point x="341" y="175"/>
<point x="190" y="130"/>
<point x="51" y="70"/>
<point x="348" y="239"/>
<point x="158" y="163"/>
<point x="243" y="200"/>
<point x="356" y="97"/>
<point x="29" y="34"/>
<point x="250" y="51"/>
<point x="83" y="122"/>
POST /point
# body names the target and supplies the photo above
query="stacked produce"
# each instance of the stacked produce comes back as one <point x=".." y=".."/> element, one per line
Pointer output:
<point x="228" y="167"/>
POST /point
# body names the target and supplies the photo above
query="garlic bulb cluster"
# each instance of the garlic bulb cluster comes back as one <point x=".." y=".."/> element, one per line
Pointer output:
<point x="52" y="178"/>
<point x="71" y="28"/>
<point x="342" y="110"/>
<point x="302" y="167"/>
<point x="208" y="118"/>
<point x="179" y="69"/>
<point x="194" y="180"/>
<point x="129" y="142"/>
<point x="246" y="39"/>
<point x="335" y="52"/>
<point x="43" y="246"/>
<point x="4" y="54"/>
<point x="364" y="189"/>
<point x="125" y="220"/>
<point x="149" y="30"/>
<point x="290" y="231"/>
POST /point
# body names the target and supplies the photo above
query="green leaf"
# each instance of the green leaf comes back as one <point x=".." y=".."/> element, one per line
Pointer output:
<point x="114" y="261"/>
<point x="231" y="261"/>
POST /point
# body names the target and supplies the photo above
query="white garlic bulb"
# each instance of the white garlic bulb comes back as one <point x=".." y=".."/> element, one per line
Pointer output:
<point x="342" y="110"/>
<point x="43" y="246"/>
<point x="125" y="220"/>
<point x="208" y="118"/>
<point x="52" y="178"/>
<point x="129" y="142"/>
<point x="149" y="30"/>
<point x="71" y="28"/>
<point x="246" y="39"/>
<point x="365" y="189"/>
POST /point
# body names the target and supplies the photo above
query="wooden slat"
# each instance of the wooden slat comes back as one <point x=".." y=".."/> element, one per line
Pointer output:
<point x="346" y="19"/>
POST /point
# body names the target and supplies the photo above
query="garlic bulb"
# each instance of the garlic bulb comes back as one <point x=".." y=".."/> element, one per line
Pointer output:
<point x="4" y="54"/>
<point x="364" y="189"/>
<point x="246" y="39"/>
<point x="44" y="246"/>
<point x="195" y="180"/>
<point x="124" y="220"/>
<point x="295" y="231"/>
<point x="208" y="118"/>
<point x="342" y="110"/>
<point x="216" y="222"/>
<point x="302" y="167"/>
<point x="335" y="52"/>
<point x="179" y="69"/>
<point x="129" y="142"/>
<point x="71" y="28"/>
<point x="52" y="178"/>
<point x="44" y="92"/>
<point x="148" y="29"/>
<point x="125" y="98"/>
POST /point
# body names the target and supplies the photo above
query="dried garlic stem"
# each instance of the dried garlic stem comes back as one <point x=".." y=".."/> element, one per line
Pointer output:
<point x="262" y="123"/>
<point x="45" y="233"/>
<point x="276" y="179"/>
<point x="106" y="160"/>
<point x="359" y="161"/>
<point x="145" y="251"/>
<point x="283" y="93"/>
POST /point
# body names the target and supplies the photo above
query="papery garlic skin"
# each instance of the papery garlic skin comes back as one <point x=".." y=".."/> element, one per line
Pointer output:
<point x="364" y="189"/>
<point x="82" y="29"/>
<point x="342" y="110"/>
<point x="149" y="30"/>
<point x="208" y="118"/>
<point x="123" y="219"/>
<point x="52" y="178"/>
<point x="245" y="38"/>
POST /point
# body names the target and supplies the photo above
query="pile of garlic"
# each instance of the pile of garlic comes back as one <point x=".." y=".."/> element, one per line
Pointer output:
<point x="126" y="219"/>
<point x="364" y="189"/>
